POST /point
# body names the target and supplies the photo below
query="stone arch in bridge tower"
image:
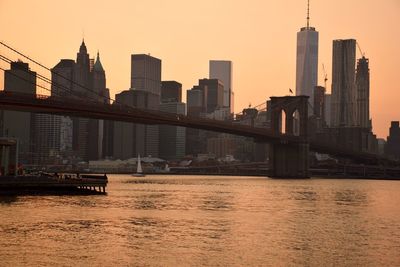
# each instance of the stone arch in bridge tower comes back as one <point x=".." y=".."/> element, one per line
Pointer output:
<point x="289" y="160"/>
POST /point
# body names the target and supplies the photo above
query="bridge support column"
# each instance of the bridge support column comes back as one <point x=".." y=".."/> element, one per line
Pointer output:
<point x="289" y="160"/>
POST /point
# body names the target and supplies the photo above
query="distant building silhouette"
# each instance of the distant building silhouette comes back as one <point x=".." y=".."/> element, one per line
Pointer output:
<point x="319" y="102"/>
<point x="392" y="147"/>
<point x="222" y="70"/>
<point x="131" y="139"/>
<point x="215" y="93"/>
<point x="146" y="73"/>
<point x="172" y="138"/>
<point x="171" y="91"/>
<point x="328" y="108"/>
<point x="64" y="137"/>
<point x="344" y="93"/>
<point x="362" y="85"/>
<point x="203" y="100"/>
<point x="19" y="78"/>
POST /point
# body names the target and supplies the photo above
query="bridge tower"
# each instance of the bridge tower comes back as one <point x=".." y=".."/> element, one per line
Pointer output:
<point x="289" y="117"/>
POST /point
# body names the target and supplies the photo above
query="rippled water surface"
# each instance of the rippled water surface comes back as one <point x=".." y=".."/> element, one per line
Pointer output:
<point x="208" y="221"/>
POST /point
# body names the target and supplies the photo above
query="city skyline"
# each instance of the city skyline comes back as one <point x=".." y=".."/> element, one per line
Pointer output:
<point x="264" y="66"/>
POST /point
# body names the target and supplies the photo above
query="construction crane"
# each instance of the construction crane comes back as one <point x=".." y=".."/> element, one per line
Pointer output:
<point x="359" y="49"/>
<point x="325" y="75"/>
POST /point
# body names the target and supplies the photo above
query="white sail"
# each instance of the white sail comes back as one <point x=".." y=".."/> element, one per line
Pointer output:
<point x="139" y="165"/>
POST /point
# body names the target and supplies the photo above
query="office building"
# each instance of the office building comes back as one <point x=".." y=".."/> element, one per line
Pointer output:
<point x="328" y="106"/>
<point x="307" y="61"/>
<point x="146" y="73"/>
<point x="362" y="85"/>
<point x="222" y="70"/>
<point x="215" y="93"/>
<point x="20" y="79"/>
<point x="392" y="147"/>
<point x="131" y="139"/>
<point x="344" y="93"/>
<point x="171" y="91"/>
<point x="319" y="102"/>
<point x="172" y="138"/>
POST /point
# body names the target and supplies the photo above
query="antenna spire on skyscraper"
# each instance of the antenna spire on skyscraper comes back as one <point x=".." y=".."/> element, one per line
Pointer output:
<point x="308" y="14"/>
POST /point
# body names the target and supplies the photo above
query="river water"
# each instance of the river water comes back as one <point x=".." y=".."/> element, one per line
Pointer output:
<point x="207" y="221"/>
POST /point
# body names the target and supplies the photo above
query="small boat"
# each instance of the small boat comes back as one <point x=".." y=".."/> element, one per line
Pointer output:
<point x="139" y="171"/>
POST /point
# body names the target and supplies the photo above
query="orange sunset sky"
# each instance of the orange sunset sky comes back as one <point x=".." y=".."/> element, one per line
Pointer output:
<point x="259" y="36"/>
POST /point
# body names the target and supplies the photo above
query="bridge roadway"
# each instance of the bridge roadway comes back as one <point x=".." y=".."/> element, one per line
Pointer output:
<point x="77" y="107"/>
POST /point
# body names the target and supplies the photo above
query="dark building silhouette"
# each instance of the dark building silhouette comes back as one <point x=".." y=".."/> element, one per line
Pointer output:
<point x="392" y="147"/>
<point x="171" y="91"/>
<point x="146" y="73"/>
<point x="362" y="85"/>
<point x="145" y="92"/>
<point x="215" y="93"/>
<point x="82" y="138"/>
<point x="172" y="138"/>
<point x="344" y="93"/>
<point x="319" y="101"/>
<point x="222" y="70"/>
<point x="132" y="139"/>
<point x="204" y="100"/>
<point x="19" y="78"/>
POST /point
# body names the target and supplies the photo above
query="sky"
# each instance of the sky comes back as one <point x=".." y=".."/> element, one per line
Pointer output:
<point x="258" y="36"/>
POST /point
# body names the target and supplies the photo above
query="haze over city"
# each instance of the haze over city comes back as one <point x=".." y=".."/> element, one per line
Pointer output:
<point x="259" y="37"/>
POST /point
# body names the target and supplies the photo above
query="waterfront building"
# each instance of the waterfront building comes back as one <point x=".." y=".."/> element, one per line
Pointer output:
<point x="344" y="93"/>
<point x="362" y="85"/>
<point x="307" y="61"/>
<point x="222" y="70"/>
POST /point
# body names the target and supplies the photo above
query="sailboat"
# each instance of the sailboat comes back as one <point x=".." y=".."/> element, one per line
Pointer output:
<point x="139" y="171"/>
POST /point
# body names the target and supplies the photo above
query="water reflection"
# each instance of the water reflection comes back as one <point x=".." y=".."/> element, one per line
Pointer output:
<point x="199" y="221"/>
<point x="351" y="197"/>
<point x="217" y="202"/>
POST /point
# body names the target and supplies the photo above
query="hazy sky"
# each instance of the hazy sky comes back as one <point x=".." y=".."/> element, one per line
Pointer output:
<point x="259" y="36"/>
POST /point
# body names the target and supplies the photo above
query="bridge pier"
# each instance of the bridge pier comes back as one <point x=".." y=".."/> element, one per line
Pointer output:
<point x="289" y="160"/>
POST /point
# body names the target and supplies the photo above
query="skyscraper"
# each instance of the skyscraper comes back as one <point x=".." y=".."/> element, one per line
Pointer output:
<point x="146" y="73"/>
<point x="307" y="61"/>
<point x="131" y="139"/>
<point x="20" y="79"/>
<point x="172" y="138"/>
<point x="222" y="70"/>
<point x="344" y="93"/>
<point x="215" y="93"/>
<point x="84" y="79"/>
<point x="392" y="147"/>
<point x="362" y="85"/>
<point x="171" y="91"/>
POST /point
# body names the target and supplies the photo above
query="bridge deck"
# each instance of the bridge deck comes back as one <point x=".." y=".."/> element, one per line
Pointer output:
<point x="76" y="107"/>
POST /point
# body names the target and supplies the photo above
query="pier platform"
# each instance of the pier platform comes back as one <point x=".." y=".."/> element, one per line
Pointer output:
<point x="55" y="183"/>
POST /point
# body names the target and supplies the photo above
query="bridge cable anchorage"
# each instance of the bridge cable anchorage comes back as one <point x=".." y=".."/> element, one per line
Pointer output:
<point x="59" y="75"/>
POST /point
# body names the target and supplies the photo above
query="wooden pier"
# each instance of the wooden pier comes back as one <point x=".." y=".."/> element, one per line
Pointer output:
<point x="62" y="183"/>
